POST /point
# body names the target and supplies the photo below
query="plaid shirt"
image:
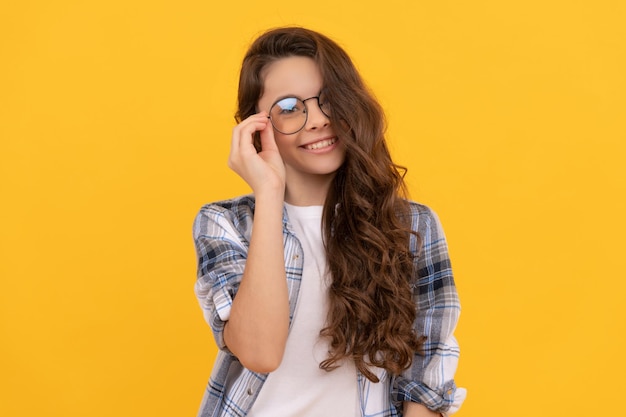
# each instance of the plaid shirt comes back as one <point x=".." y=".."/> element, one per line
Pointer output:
<point x="222" y="233"/>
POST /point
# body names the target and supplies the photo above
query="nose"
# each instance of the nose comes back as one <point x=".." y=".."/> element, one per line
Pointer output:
<point x="316" y="119"/>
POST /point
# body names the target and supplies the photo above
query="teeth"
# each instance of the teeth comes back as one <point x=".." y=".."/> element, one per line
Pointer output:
<point x="321" y="144"/>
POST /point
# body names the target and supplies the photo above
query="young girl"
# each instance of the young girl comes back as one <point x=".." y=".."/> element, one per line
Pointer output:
<point x="328" y="293"/>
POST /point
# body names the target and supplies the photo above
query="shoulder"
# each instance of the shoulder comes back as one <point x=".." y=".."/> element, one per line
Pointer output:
<point x="239" y="207"/>
<point x="236" y="212"/>
<point x="419" y="208"/>
<point x="423" y="218"/>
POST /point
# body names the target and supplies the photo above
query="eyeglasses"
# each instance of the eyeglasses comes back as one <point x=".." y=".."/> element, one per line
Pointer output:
<point x="290" y="114"/>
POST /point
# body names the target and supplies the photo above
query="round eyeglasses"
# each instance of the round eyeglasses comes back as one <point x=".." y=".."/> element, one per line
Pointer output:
<point x="290" y="114"/>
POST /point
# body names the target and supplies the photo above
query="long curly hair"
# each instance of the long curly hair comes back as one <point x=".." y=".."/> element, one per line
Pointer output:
<point x="366" y="226"/>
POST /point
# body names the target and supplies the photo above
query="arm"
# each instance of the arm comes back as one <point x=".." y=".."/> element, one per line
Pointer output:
<point x="259" y="322"/>
<point x="244" y="290"/>
<point x="257" y="329"/>
<point x="417" y="410"/>
<point x="430" y="380"/>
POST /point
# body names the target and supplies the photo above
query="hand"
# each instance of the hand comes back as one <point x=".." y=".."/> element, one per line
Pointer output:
<point x="265" y="170"/>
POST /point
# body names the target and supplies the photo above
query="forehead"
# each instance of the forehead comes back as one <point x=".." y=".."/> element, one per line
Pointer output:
<point x="299" y="76"/>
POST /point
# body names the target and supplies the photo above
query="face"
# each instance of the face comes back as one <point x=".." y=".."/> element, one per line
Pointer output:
<point x="314" y="150"/>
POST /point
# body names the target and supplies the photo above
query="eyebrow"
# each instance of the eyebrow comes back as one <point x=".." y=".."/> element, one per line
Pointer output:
<point x="296" y="96"/>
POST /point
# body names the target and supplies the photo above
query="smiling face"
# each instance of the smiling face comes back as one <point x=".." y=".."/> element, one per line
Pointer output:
<point x="312" y="155"/>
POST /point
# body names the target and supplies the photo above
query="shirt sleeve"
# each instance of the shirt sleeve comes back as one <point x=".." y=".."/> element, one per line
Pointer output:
<point x="221" y="253"/>
<point x="430" y="379"/>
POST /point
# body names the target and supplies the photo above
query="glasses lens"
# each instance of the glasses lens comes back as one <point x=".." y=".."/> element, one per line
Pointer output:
<point x="324" y="105"/>
<point x="288" y="115"/>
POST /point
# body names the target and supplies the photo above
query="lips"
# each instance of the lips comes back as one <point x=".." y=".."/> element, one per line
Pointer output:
<point x="320" y="144"/>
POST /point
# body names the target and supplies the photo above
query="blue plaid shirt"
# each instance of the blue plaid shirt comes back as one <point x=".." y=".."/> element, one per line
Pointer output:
<point x="222" y="233"/>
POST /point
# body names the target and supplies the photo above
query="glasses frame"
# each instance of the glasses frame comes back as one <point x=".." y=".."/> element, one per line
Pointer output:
<point x="306" y="111"/>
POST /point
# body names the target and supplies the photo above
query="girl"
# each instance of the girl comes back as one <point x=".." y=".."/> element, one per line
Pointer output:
<point x="328" y="293"/>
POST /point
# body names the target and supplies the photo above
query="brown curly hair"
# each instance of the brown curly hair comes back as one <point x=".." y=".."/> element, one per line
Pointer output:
<point x="366" y="226"/>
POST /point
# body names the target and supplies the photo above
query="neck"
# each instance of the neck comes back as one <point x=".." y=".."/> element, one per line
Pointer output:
<point x="309" y="190"/>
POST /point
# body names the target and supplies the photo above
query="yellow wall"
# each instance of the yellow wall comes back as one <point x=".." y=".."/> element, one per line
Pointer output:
<point x="115" y="121"/>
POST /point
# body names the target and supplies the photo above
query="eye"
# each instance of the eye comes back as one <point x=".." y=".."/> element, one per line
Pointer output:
<point x="289" y="105"/>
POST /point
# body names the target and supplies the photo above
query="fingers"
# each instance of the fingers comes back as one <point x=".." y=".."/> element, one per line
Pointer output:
<point x="242" y="145"/>
<point x="268" y="142"/>
<point x="264" y="170"/>
<point x="243" y="133"/>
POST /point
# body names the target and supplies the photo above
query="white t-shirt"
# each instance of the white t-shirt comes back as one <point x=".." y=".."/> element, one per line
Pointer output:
<point x="299" y="387"/>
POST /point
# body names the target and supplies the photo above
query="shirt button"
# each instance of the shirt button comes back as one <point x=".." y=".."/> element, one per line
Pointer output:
<point x="295" y="257"/>
<point x="250" y="391"/>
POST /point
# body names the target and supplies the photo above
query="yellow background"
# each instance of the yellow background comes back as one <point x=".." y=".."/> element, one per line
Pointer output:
<point x="115" y="121"/>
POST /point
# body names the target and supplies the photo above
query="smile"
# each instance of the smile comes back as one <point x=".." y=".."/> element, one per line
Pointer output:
<point x="321" y="144"/>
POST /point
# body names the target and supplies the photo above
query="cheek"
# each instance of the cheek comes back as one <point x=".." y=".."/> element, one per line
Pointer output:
<point x="284" y="143"/>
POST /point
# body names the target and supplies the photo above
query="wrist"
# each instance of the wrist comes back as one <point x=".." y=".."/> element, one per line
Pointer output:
<point x="269" y="206"/>
<point x="270" y="194"/>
